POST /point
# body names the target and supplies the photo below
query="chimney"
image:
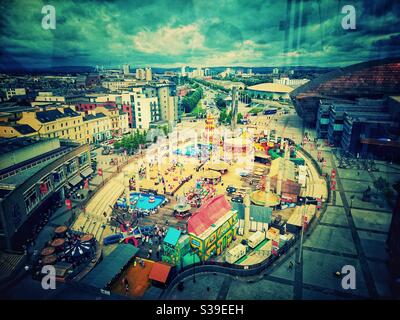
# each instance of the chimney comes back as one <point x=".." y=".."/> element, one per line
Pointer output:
<point x="246" y="225"/>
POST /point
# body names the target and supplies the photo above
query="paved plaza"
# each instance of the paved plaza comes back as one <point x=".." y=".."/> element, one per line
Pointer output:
<point x="344" y="236"/>
<point x="350" y="232"/>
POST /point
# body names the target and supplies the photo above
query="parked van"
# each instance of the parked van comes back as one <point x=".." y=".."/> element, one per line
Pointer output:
<point x="255" y="239"/>
<point x="235" y="253"/>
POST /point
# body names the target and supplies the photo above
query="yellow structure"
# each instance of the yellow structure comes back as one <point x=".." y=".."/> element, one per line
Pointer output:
<point x="97" y="127"/>
<point x="213" y="227"/>
<point x="113" y="114"/>
<point x="63" y="123"/>
<point x="210" y="126"/>
<point x="16" y="131"/>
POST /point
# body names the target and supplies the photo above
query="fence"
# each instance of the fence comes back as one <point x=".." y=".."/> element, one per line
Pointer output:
<point x="250" y="270"/>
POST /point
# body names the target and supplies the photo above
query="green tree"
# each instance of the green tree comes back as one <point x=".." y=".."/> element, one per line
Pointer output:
<point x="239" y="118"/>
<point x="220" y="103"/>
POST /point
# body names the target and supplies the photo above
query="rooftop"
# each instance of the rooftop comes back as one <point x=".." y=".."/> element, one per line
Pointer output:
<point x="21" y="128"/>
<point x="271" y="87"/>
<point x="208" y="214"/>
<point x="94" y="116"/>
<point x="172" y="236"/>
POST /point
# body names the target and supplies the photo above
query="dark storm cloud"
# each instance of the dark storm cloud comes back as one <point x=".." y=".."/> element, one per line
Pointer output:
<point x="196" y="32"/>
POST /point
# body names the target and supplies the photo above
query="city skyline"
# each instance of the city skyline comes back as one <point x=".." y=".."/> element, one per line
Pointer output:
<point x="197" y="33"/>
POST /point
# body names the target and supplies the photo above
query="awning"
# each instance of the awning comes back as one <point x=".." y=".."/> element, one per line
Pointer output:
<point x="75" y="180"/>
<point x="160" y="272"/>
<point x="110" y="266"/>
<point x="172" y="236"/>
<point x="86" y="172"/>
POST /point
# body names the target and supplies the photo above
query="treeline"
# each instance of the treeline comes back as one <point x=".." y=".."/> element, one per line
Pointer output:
<point x="212" y="85"/>
<point x="132" y="141"/>
<point x="226" y="117"/>
<point x="190" y="101"/>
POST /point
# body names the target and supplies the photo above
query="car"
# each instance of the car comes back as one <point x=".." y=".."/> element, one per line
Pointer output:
<point x="105" y="151"/>
<point x="244" y="173"/>
<point x="115" y="238"/>
<point x="237" y="199"/>
<point x="230" y="189"/>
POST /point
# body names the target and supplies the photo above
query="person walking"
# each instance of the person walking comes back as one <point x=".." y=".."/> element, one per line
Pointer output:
<point x="126" y="286"/>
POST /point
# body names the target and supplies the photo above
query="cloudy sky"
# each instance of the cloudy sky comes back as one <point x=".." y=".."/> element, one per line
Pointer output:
<point x="197" y="33"/>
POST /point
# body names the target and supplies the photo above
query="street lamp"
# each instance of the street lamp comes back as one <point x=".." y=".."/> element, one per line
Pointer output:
<point x="194" y="264"/>
<point x="351" y="201"/>
<point x="302" y="232"/>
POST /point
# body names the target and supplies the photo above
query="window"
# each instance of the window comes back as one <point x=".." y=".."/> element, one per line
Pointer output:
<point x="58" y="176"/>
<point x="83" y="159"/>
<point x="71" y="167"/>
<point x="31" y="198"/>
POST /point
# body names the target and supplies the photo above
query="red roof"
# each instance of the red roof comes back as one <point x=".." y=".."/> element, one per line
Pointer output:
<point x="160" y="272"/>
<point x="208" y="214"/>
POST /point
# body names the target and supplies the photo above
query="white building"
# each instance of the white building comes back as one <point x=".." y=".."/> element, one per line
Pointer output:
<point x="291" y="82"/>
<point x="140" y="74"/>
<point x="183" y="71"/>
<point x="118" y="85"/>
<point x="14" y="92"/>
<point x="125" y="68"/>
<point x="168" y="103"/>
<point x="148" y="74"/>
<point x="275" y="71"/>
<point x="123" y="121"/>
<point x="145" y="111"/>
<point x="47" y="97"/>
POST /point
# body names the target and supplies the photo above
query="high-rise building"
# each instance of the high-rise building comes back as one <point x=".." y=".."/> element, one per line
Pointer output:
<point x="125" y="68"/>
<point x="275" y="71"/>
<point x="183" y="71"/>
<point x="148" y="75"/>
<point x="140" y="74"/>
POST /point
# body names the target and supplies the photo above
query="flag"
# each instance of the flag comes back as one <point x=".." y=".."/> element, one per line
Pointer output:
<point x="68" y="204"/>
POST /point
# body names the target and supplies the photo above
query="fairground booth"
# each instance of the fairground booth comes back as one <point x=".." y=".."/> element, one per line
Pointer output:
<point x="213" y="227"/>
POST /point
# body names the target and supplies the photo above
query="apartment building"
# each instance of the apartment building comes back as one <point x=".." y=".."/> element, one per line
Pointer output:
<point x="11" y="92"/>
<point x="97" y="127"/>
<point x="63" y="123"/>
<point x="8" y="130"/>
<point x="47" y="97"/>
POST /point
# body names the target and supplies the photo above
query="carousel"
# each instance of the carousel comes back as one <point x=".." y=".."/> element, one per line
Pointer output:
<point x="67" y="247"/>
<point x="211" y="177"/>
<point x="182" y="209"/>
<point x="261" y="198"/>
<point x="200" y="194"/>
